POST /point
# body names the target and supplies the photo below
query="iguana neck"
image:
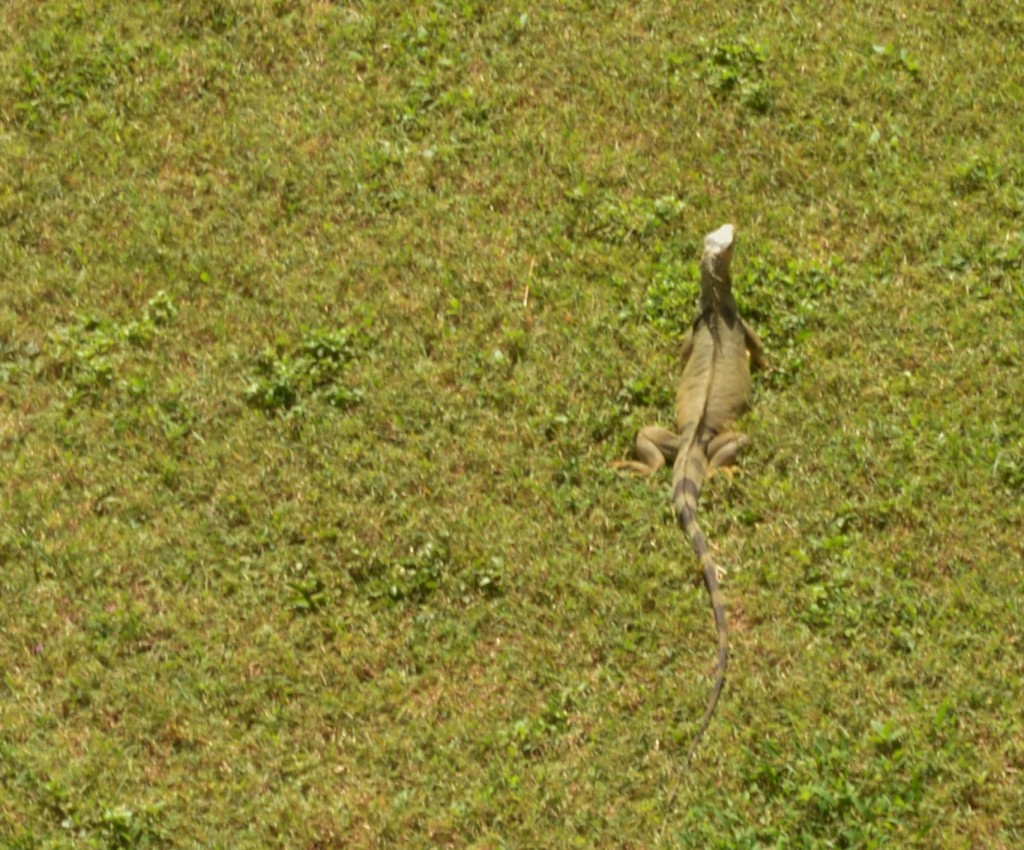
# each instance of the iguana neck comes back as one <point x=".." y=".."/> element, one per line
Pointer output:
<point x="716" y="290"/>
<point x="715" y="283"/>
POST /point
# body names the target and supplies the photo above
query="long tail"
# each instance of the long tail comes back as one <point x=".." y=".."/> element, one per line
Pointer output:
<point x="689" y="479"/>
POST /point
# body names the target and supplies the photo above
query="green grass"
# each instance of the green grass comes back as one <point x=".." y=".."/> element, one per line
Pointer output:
<point x="320" y="325"/>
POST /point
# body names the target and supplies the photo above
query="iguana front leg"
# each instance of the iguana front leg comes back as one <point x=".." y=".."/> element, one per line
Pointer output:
<point x="754" y="346"/>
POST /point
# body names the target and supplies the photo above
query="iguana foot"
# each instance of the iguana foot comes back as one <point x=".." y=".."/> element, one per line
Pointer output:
<point x="729" y="472"/>
<point x="720" y="574"/>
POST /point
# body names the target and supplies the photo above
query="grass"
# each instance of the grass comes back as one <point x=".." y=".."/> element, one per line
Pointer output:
<point x="320" y="325"/>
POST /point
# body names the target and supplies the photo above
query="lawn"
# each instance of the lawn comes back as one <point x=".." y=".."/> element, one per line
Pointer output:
<point x="321" y="326"/>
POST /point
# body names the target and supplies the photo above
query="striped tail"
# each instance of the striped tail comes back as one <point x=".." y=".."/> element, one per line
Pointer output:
<point x="689" y="475"/>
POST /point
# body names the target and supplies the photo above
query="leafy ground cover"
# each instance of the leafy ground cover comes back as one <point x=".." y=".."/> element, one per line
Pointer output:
<point x="320" y="324"/>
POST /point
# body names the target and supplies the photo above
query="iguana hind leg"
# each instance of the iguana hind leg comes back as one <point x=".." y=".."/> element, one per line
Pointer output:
<point x="722" y="450"/>
<point x="654" y="448"/>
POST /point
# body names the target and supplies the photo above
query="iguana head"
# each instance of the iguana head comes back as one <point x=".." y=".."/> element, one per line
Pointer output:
<point x="715" y="284"/>
<point x="718" y="251"/>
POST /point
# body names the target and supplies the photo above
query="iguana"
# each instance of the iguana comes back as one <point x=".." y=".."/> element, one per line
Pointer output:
<point x="714" y="390"/>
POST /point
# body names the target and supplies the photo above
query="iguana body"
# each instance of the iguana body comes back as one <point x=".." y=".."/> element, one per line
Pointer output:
<point x="714" y="390"/>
